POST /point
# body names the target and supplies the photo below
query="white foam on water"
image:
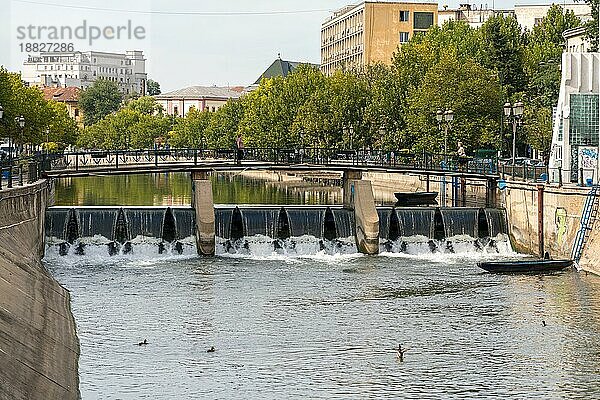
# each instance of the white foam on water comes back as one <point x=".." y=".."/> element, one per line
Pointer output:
<point x="260" y="247"/>
<point x="294" y="249"/>
<point x="96" y="250"/>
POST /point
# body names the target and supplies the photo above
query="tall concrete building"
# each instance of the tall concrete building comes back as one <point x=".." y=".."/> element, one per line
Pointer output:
<point x="370" y="32"/>
<point x="471" y="14"/>
<point x="81" y="69"/>
<point x="530" y="15"/>
<point x="576" y="128"/>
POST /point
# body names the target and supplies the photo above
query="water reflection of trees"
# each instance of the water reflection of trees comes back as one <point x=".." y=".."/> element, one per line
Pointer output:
<point x="175" y="189"/>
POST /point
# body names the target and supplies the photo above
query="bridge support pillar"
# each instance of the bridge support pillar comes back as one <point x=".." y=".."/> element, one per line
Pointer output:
<point x="358" y="196"/>
<point x="202" y="201"/>
<point x="491" y="193"/>
<point x="348" y="177"/>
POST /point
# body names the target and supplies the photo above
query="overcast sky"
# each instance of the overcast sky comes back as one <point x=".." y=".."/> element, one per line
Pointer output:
<point x="186" y="42"/>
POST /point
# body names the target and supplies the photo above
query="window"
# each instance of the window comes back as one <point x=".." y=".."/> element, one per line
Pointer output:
<point x="584" y="121"/>
<point x="404" y="15"/>
<point x="404" y="37"/>
<point x="213" y="109"/>
<point x="175" y="111"/>
<point x="422" y="20"/>
<point x="537" y="21"/>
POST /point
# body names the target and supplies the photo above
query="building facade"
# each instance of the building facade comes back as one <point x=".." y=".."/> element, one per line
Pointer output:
<point x="529" y="16"/>
<point x="68" y="96"/>
<point x="203" y="98"/>
<point x="473" y="16"/>
<point x="82" y="69"/>
<point x="576" y="40"/>
<point x="371" y="32"/>
<point x="576" y="127"/>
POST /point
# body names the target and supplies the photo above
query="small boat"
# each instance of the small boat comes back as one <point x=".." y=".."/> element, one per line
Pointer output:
<point x="525" y="267"/>
<point x="415" y="198"/>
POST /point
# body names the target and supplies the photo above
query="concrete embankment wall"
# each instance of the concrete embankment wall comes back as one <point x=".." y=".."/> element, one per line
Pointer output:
<point x="385" y="184"/>
<point x="39" y="348"/>
<point x="562" y="209"/>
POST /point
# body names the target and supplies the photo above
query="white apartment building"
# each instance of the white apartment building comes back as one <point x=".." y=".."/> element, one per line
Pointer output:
<point x="471" y="14"/>
<point x="81" y="69"/>
<point x="530" y="15"/>
<point x="527" y="15"/>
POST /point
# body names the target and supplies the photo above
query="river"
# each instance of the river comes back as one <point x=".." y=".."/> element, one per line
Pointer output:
<point x="319" y="325"/>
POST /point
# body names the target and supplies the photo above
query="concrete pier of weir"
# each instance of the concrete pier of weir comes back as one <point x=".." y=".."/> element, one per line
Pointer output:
<point x="358" y="196"/>
<point x="203" y="204"/>
<point x="39" y="348"/>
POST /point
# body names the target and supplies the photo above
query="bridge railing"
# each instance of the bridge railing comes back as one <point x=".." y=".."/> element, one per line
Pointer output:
<point x="19" y="171"/>
<point x="120" y="159"/>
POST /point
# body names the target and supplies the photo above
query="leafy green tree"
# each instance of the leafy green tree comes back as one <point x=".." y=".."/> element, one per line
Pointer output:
<point x="153" y="87"/>
<point x="99" y="100"/>
<point x="538" y="128"/>
<point x="39" y="114"/>
<point x="503" y="50"/>
<point x="543" y="55"/>
<point x="145" y="105"/>
<point x="472" y="91"/>
<point x="223" y="127"/>
<point x="62" y="129"/>
<point x="191" y="131"/>
<point x="126" y="129"/>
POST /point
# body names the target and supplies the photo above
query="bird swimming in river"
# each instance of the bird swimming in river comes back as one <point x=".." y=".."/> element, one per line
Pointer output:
<point x="400" y="352"/>
<point x="543" y="323"/>
<point x="145" y="342"/>
<point x="211" y="350"/>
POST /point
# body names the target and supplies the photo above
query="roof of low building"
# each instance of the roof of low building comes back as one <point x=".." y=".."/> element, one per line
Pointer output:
<point x="61" y="94"/>
<point x="202" y="92"/>
<point x="281" y="67"/>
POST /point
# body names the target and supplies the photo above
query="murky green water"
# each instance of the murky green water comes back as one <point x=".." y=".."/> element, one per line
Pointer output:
<point x="176" y="189"/>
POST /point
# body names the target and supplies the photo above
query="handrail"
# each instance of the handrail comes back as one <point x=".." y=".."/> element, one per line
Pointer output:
<point x="118" y="159"/>
<point x="19" y="171"/>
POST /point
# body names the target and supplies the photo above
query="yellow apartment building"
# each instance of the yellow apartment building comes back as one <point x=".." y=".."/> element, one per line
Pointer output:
<point x="370" y="32"/>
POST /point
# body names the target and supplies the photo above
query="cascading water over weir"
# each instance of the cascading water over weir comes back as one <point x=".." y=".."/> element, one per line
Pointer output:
<point x="284" y="230"/>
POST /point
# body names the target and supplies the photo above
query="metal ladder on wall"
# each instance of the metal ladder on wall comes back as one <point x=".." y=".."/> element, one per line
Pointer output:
<point x="590" y="211"/>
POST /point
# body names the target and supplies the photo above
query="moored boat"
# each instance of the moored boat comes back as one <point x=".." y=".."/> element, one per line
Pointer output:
<point x="415" y="198"/>
<point x="525" y="266"/>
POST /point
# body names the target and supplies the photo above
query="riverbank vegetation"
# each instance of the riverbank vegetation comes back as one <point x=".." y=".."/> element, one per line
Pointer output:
<point x="471" y="71"/>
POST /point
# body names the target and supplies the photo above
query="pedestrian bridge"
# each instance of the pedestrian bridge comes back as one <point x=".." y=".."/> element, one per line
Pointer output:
<point x="303" y="159"/>
<point x="357" y="193"/>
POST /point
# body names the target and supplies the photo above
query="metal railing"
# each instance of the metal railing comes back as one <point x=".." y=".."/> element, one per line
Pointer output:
<point x="19" y="172"/>
<point x="526" y="173"/>
<point x="117" y="159"/>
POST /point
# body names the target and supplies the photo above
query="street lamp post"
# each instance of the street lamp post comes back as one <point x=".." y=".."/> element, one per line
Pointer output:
<point x="446" y="117"/>
<point x="20" y="121"/>
<point x="47" y="139"/>
<point x="514" y="114"/>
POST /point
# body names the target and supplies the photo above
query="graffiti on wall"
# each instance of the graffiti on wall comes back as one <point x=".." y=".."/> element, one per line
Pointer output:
<point x="560" y="218"/>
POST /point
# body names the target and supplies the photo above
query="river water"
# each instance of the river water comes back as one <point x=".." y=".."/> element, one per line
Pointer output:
<point x="322" y="325"/>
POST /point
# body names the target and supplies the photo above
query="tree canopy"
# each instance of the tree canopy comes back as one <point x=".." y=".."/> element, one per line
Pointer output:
<point x="99" y="100"/>
<point x="39" y="114"/>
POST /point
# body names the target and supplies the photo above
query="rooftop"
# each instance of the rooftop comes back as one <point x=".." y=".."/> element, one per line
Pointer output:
<point x="281" y="67"/>
<point x="60" y="94"/>
<point x="203" y="92"/>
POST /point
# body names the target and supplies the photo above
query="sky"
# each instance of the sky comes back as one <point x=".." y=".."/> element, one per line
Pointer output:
<point x="186" y="42"/>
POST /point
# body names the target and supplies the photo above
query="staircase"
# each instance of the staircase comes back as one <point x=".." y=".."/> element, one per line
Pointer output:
<point x="590" y="211"/>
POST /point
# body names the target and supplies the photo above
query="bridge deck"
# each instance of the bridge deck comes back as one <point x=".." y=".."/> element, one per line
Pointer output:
<point x="228" y="165"/>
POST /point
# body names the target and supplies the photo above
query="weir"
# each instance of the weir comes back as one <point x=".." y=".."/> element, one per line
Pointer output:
<point x="170" y="229"/>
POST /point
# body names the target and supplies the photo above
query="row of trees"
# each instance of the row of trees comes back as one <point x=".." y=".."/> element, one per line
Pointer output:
<point x="44" y="120"/>
<point x="49" y="121"/>
<point x="471" y="71"/>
